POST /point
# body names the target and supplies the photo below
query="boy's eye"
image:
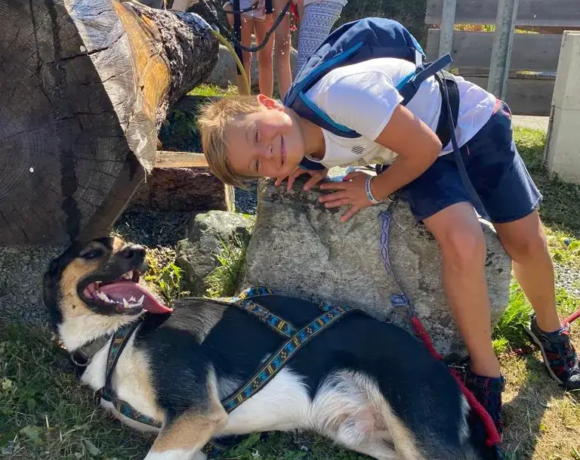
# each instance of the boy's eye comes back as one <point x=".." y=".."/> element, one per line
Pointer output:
<point x="257" y="165"/>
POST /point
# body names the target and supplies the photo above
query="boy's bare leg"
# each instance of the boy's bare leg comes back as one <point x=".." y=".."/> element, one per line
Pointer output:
<point x="282" y="49"/>
<point x="247" y="27"/>
<point x="265" y="64"/>
<point x="525" y="241"/>
<point x="462" y="244"/>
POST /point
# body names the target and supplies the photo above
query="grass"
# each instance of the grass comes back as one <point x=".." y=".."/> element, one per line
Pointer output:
<point x="45" y="414"/>
<point x="212" y="90"/>
<point x="223" y="280"/>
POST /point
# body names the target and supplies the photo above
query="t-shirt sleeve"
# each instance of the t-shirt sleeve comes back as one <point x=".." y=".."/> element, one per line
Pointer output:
<point x="364" y="102"/>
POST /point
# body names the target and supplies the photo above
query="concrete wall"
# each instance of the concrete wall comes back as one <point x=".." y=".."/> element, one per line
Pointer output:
<point x="563" y="146"/>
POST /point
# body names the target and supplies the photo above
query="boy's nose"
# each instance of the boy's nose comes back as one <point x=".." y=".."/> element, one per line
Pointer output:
<point x="266" y="151"/>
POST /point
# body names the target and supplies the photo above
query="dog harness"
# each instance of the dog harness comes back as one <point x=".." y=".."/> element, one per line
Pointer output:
<point x="295" y="340"/>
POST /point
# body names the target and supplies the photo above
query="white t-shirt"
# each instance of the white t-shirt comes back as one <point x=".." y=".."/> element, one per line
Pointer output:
<point x="363" y="97"/>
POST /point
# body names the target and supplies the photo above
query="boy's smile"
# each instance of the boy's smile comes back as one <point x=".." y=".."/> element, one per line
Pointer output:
<point x="267" y="143"/>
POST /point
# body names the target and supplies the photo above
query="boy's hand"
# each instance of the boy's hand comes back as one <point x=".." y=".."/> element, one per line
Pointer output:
<point x="315" y="178"/>
<point x="350" y="191"/>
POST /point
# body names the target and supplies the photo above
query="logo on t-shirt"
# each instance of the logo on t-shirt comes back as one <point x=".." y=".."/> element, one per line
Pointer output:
<point x="358" y="150"/>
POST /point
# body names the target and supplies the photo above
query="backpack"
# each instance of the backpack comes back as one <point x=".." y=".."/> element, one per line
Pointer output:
<point x="371" y="38"/>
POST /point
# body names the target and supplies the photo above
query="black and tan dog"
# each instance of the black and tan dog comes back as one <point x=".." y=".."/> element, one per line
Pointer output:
<point x="368" y="385"/>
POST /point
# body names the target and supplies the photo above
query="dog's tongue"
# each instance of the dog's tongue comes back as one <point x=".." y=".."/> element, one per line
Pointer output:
<point x="127" y="289"/>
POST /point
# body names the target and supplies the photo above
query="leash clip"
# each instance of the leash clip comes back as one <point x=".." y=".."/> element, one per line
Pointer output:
<point x="77" y="363"/>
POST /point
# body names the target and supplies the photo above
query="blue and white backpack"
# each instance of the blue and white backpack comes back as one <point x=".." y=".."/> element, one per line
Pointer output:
<point x="371" y="38"/>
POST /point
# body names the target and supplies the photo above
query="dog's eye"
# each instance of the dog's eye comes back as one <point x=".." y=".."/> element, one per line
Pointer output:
<point x="92" y="254"/>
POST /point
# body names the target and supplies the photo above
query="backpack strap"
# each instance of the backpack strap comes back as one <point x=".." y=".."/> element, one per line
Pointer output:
<point x="450" y="105"/>
<point x="443" y="126"/>
<point x="411" y="86"/>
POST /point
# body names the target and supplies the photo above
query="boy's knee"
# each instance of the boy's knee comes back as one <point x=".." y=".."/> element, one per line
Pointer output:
<point x="527" y="245"/>
<point x="463" y="246"/>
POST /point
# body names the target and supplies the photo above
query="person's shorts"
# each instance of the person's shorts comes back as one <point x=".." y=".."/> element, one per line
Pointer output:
<point x="495" y="168"/>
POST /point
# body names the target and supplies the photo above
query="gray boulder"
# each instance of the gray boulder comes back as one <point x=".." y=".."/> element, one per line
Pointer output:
<point x="208" y="232"/>
<point x="301" y="249"/>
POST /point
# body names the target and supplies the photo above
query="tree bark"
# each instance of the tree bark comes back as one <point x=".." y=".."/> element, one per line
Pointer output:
<point x="84" y="87"/>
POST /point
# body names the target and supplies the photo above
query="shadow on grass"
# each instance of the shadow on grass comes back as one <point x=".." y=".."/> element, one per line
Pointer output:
<point x="530" y="415"/>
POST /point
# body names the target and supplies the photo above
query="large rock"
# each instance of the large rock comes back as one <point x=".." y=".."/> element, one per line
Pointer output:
<point x="225" y="71"/>
<point x="301" y="249"/>
<point x="196" y="255"/>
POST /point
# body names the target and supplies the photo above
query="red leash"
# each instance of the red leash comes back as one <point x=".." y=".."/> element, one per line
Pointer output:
<point x="493" y="436"/>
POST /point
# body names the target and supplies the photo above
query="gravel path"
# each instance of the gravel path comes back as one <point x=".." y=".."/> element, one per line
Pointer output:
<point x="568" y="278"/>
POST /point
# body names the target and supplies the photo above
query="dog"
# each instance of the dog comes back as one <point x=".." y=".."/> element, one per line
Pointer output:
<point x="368" y="385"/>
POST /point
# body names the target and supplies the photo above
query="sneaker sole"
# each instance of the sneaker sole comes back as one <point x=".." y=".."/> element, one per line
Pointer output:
<point x="546" y="360"/>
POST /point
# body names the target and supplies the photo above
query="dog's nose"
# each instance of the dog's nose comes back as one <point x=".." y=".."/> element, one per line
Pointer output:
<point x="133" y="252"/>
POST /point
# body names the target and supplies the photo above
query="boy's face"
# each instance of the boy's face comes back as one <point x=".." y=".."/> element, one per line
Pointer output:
<point x="267" y="143"/>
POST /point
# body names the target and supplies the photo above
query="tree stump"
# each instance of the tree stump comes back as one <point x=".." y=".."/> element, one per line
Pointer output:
<point x="84" y="87"/>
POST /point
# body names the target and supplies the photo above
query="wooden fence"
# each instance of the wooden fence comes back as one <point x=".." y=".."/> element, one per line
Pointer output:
<point x="534" y="58"/>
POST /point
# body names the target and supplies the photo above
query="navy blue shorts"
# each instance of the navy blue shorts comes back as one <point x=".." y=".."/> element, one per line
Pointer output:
<point x="495" y="168"/>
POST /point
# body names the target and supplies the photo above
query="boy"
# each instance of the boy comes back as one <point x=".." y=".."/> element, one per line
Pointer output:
<point x="250" y="137"/>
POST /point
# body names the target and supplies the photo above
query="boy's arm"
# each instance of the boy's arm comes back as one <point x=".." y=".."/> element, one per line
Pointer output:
<point x="417" y="147"/>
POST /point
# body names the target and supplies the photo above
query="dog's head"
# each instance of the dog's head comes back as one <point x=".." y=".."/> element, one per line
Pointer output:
<point x="98" y="283"/>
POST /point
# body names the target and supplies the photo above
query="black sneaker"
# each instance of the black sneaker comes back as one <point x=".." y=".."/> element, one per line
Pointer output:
<point x="488" y="391"/>
<point x="559" y="354"/>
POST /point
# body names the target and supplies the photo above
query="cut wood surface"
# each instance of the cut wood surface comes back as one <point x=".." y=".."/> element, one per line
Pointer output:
<point x="84" y="87"/>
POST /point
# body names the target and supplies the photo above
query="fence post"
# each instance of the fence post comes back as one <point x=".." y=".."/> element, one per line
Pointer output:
<point x="447" y="23"/>
<point x="502" y="47"/>
<point x="562" y="147"/>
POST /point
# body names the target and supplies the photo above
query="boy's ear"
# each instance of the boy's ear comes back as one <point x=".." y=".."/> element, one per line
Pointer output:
<point x="269" y="103"/>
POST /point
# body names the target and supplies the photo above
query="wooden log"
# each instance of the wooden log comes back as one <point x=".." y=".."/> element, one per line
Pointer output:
<point x="84" y="87"/>
<point x="183" y="189"/>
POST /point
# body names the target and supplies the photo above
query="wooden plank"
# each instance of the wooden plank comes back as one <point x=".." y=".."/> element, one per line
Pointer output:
<point x="525" y="96"/>
<point x="470" y="50"/>
<point x="165" y="159"/>
<point x="530" y="12"/>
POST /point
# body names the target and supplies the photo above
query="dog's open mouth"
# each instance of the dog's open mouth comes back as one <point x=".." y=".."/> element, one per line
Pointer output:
<point x="124" y="295"/>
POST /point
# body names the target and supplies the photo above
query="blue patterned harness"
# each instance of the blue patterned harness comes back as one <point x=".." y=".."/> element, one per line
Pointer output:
<point x="296" y="339"/>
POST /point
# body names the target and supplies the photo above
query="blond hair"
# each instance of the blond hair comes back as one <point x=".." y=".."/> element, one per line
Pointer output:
<point x="213" y="121"/>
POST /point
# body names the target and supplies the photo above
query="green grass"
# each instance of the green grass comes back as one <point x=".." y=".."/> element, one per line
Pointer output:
<point x="223" y="280"/>
<point x="560" y="209"/>
<point x="44" y="413"/>
<point x="212" y="90"/>
<point x="163" y="275"/>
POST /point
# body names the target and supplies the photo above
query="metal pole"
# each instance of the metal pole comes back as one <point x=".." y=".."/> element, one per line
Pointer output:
<point x="502" y="47"/>
<point x="447" y="23"/>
